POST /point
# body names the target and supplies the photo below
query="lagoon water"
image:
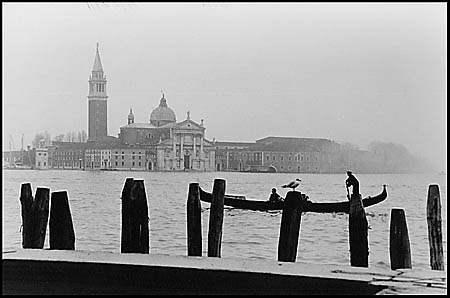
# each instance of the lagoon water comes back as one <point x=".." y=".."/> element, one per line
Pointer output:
<point x="94" y="198"/>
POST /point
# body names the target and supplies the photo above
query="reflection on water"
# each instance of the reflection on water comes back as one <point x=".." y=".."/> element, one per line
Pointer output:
<point x="96" y="211"/>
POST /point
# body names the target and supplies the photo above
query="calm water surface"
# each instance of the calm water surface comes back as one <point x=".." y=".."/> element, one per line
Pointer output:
<point x="95" y="204"/>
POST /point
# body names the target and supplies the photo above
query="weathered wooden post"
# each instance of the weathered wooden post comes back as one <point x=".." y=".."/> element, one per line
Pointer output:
<point x="26" y="200"/>
<point x="290" y="227"/>
<point x="194" y="221"/>
<point x="41" y="209"/>
<point x="125" y="245"/>
<point x="399" y="248"/>
<point x="358" y="226"/>
<point x="435" y="228"/>
<point x="139" y="218"/>
<point x="62" y="234"/>
<point x="34" y="216"/>
<point x="216" y="219"/>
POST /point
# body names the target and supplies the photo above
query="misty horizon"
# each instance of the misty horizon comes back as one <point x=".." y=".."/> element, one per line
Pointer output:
<point x="352" y="73"/>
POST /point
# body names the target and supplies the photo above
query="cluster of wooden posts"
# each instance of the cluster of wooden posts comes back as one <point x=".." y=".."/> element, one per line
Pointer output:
<point x="135" y="224"/>
<point x="399" y="248"/>
<point x="35" y="215"/>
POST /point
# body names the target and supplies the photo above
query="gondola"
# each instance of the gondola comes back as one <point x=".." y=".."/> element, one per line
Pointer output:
<point x="241" y="202"/>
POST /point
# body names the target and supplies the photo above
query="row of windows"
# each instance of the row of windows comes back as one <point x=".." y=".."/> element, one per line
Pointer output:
<point x="67" y="158"/>
<point x="299" y="168"/>
<point x="297" y="158"/>
<point x="133" y="163"/>
<point x="97" y="152"/>
<point x="127" y="153"/>
<point x="123" y="157"/>
<point x="66" y="164"/>
<point x="68" y="152"/>
<point x="108" y="153"/>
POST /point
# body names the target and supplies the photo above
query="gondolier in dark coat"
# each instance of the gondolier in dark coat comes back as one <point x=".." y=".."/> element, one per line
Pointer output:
<point x="274" y="196"/>
<point x="352" y="181"/>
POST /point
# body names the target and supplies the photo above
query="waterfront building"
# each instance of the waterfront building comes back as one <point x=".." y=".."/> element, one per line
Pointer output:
<point x="279" y="154"/>
<point x="227" y="155"/>
<point x="170" y="146"/>
<point x="41" y="158"/>
<point x="129" y="158"/>
<point x="68" y="155"/>
<point x="12" y="157"/>
<point x="19" y="158"/>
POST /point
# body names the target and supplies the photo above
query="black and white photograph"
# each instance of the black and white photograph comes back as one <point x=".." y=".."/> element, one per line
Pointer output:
<point x="259" y="148"/>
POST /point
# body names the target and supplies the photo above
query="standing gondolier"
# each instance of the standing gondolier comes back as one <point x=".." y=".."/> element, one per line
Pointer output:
<point x="352" y="181"/>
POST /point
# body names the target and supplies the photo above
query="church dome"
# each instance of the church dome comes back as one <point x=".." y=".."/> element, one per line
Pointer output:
<point x="162" y="114"/>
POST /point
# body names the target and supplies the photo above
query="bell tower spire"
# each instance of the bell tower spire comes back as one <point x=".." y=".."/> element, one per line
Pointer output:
<point x="97" y="101"/>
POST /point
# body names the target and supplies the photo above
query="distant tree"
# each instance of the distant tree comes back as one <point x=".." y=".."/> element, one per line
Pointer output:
<point x="41" y="139"/>
<point x="59" y="138"/>
<point x="79" y="137"/>
<point x="37" y="140"/>
<point x="68" y="136"/>
<point x="83" y="136"/>
<point x="47" y="138"/>
<point x="395" y="158"/>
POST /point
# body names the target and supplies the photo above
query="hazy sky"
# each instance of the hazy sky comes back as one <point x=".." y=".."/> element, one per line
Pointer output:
<point x="350" y="72"/>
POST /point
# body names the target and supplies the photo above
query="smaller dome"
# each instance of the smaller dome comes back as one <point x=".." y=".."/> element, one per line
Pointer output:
<point x="162" y="114"/>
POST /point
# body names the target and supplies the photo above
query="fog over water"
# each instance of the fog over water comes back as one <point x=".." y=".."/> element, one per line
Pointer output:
<point x="351" y="72"/>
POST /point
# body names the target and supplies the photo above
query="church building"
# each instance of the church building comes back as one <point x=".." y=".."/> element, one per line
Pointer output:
<point x="173" y="146"/>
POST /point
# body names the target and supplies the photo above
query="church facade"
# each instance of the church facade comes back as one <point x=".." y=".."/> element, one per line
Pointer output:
<point x="172" y="145"/>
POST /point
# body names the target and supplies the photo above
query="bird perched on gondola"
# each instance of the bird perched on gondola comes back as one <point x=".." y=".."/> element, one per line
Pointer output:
<point x="292" y="184"/>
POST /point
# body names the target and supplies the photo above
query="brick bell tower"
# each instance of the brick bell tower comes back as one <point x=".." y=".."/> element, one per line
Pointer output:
<point x="97" y="102"/>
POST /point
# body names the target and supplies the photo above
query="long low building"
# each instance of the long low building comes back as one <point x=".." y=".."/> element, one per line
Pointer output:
<point x="279" y="154"/>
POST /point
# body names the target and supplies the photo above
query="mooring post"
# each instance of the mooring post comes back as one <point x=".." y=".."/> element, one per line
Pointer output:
<point x="125" y="244"/>
<point x="358" y="226"/>
<point x="290" y="227"/>
<point x="26" y="201"/>
<point x="399" y="248"/>
<point x="435" y="228"/>
<point x="194" y="221"/>
<point x="41" y="209"/>
<point x="216" y="219"/>
<point x="139" y="219"/>
<point x="62" y="234"/>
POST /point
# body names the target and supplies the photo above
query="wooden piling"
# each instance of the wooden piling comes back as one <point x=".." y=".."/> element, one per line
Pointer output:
<point x="435" y="228"/>
<point x="34" y="216"/>
<point x="216" y="219"/>
<point x="194" y="221"/>
<point x="290" y="227"/>
<point x="139" y="218"/>
<point x="41" y="209"/>
<point x="26" y="201"/>
<point x="358" y="225"/>
<point x="399" y="248"/>
<point x="62" y="234"/>
<point x="125" y="244"/>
